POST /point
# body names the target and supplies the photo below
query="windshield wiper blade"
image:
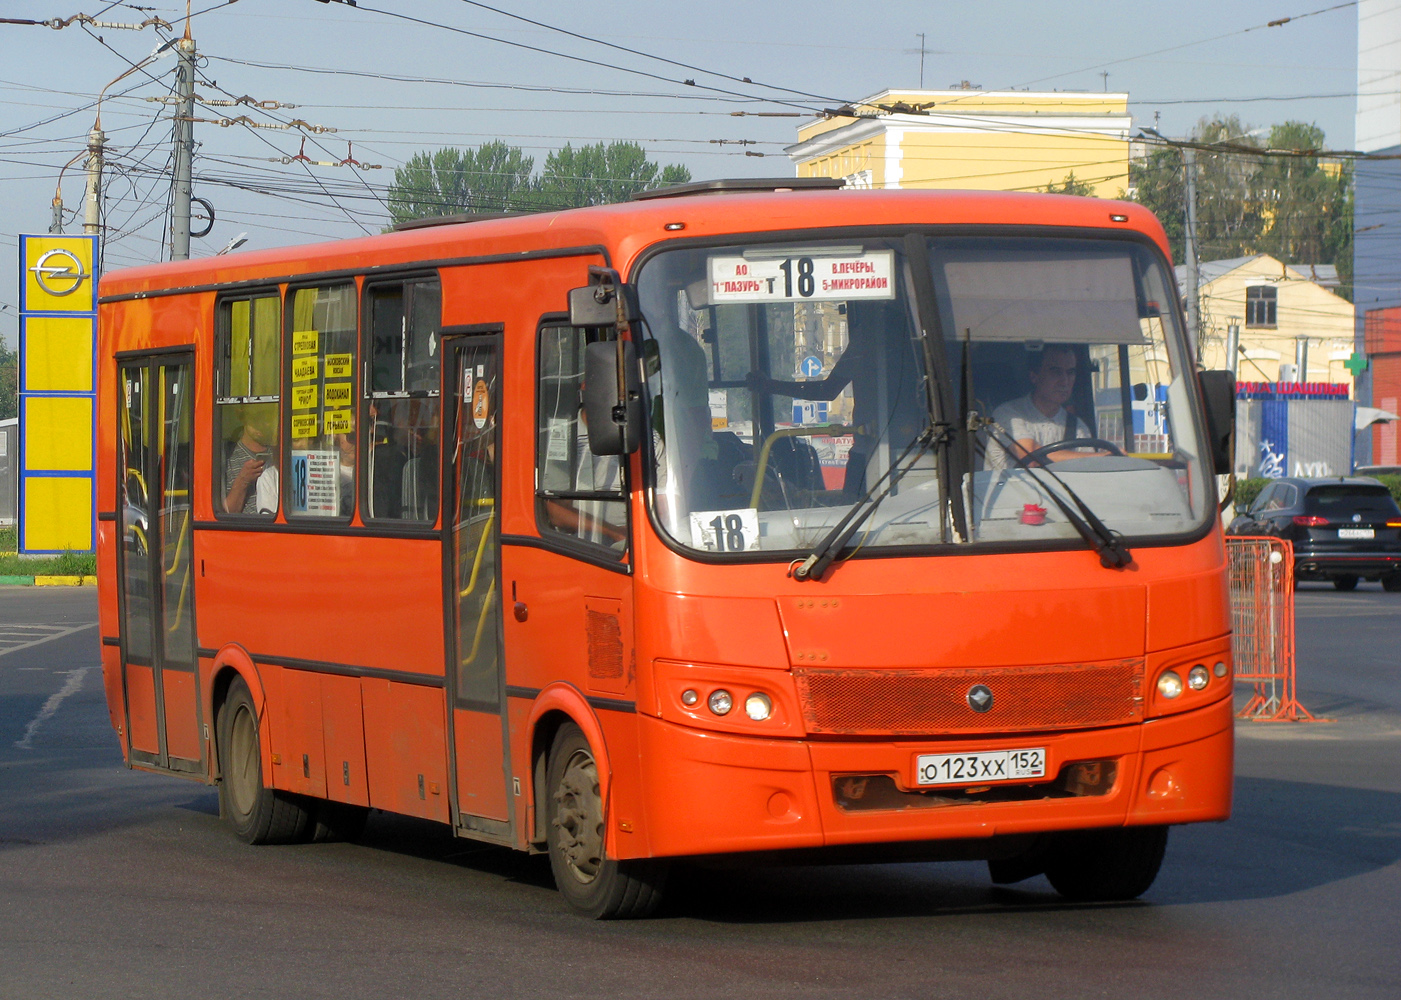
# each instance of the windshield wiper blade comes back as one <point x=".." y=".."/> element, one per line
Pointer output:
<point x="1113" y="553"/>
<point x="825" y="552"/>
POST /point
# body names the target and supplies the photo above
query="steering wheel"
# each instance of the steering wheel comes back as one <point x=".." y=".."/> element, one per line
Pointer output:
<point x="1039" y="455"/>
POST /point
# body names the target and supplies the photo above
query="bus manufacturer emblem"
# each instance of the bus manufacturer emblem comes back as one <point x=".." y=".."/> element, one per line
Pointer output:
<point x="979" y="698"/>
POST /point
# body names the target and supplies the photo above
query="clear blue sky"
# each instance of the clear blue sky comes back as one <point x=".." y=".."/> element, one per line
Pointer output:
<point x="1182" y="60"/>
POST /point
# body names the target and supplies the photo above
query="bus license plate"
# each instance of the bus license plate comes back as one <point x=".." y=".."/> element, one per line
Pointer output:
<point x="1356" y="533"/>
<point x="983" y="766"/>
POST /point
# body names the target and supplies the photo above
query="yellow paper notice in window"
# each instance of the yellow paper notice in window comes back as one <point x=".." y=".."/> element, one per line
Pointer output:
<point x="338" y="366"/>
<point x="304" y="369"/>
<point x="304" y="341"/>
<point x="303" y="397"/>
<point x="337" y="394"/>
<point x="304" y="425"/>
<point x="339" y="422"/>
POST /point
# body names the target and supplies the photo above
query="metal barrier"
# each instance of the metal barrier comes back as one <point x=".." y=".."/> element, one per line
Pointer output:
<point x="1262" y="627"/>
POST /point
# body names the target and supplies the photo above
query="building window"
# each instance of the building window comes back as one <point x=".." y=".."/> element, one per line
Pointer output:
<point x="1260" y="303"/>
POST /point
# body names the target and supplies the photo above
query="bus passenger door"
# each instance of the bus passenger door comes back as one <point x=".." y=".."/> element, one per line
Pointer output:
<point x="157" y="591"/>
<point x="472" y="541"/>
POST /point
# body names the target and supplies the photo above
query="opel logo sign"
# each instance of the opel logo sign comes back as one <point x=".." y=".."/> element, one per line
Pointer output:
<point x="59" y="272"/>
<point x="980" y="697"/>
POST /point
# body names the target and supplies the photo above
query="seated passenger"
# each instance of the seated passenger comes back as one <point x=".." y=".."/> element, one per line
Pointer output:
<point x="250" y="456"/>
<point x="1040" y="417"/>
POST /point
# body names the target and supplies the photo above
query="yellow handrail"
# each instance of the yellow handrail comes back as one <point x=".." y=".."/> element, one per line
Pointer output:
<point x="787" y="432"/>
<point x="481" y="623"/>
<point x="481" y="551"/>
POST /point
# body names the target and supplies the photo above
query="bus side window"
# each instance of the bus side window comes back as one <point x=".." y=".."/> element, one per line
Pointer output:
<point x="579" y="495"/>
<point x="247" y="382"/>
<point x="320" y="465"/>
<point x="402" y="333"/>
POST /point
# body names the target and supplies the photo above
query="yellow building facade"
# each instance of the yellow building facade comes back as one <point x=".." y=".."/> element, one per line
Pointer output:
<point x="984" y="140"/>
<point x="1276" y="306"/>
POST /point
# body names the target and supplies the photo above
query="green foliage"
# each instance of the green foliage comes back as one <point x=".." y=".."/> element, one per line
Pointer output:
<point x="9" y="382"/>
<point x="496" y="177"/>
<point x="9" y="539"/>
<point x="493" y="177"/>
<point x="68" y="564"/>
<point x="602" y="175"/>
<point x="1289" y="207"/>
<point x="1071" y="185"/>
<point x="1393" y="484"/>
<point x="1247" y="490"/>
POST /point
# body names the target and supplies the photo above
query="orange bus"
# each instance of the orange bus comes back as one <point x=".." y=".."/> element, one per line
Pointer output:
<point x="749" y="516"/>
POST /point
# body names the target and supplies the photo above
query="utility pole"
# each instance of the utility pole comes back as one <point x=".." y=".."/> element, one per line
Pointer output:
<point x="92" y="214"/>
<point x="184" y="148"/>
<point x="56" y="222"/>
<point x="1194" y="309"/>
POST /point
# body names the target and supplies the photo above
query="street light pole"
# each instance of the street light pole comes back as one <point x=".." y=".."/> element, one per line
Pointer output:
<point x="184" y="148"/>
<point x="1189" y="249"/>
<point x="92" y="214"/>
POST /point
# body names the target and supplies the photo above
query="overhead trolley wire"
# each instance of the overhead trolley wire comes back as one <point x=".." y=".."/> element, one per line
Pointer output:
<point x="580" y="59"/>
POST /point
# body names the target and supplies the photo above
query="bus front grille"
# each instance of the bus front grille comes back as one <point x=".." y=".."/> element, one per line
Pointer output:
<point x="935" y="701"/>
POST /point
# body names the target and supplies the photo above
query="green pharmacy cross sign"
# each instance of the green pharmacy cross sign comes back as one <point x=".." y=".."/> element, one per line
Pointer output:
<point x="1357" y="364"/>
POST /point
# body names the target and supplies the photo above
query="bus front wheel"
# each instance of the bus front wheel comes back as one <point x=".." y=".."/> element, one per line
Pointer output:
<point x="258" y="814"/>
<point x="1106" y="865"/>
<point x="593" y="884"/>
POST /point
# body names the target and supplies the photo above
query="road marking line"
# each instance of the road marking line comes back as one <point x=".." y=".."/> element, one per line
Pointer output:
<point x="47" y="638"/>
<point x="70" y="687"/>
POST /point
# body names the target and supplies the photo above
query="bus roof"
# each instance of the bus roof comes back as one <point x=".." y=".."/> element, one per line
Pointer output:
<point x="624" y="230"/>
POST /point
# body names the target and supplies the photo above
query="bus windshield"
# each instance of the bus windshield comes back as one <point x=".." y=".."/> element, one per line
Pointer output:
<point x="785" y="379"/>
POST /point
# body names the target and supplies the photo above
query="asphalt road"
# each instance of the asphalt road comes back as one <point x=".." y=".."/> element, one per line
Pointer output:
<point x="121" y="884"/>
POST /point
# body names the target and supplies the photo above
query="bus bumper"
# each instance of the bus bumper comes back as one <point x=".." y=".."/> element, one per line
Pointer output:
<point x="713" y="793"/>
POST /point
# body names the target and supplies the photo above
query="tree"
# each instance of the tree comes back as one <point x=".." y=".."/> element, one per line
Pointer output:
<point x="9" y="382"/>
<point x="1293" y="208"/>
<point x="1072" y="185"/>
<point x="602" y="175"/>
<point x="494" y="177"/>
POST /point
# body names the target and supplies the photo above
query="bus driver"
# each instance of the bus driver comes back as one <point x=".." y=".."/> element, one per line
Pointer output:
<point x="1040" y="417"/>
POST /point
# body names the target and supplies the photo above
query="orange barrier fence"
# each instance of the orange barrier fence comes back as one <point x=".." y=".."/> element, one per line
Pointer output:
<point x="1262" y="625"/>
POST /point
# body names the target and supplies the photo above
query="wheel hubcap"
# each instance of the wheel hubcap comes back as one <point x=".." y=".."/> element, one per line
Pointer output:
<point x="243" y="777"/>
<point x="579" y="817"/>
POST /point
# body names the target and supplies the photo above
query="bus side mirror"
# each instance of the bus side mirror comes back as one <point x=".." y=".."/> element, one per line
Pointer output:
<point x="597" y="305"/>
<point x="615" y="424"/>
<point x="1219" y="396"/>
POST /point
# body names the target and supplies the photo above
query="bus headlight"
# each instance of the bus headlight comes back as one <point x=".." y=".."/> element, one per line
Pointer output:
<point x="1198" y="677"/>
<point x="689" y="697"/>
<point x="758" y="706"/>
<point x="1169" y="684"/>
<point x="720" y="702"/>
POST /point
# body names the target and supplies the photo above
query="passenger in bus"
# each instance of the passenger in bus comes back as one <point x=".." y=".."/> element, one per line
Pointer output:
<point x="246" y="462"/>
<point x="588" y="519"/>
<point x="386" y="463"/>
<point x="345" y="445"/>
<point x="1040" y="417"/>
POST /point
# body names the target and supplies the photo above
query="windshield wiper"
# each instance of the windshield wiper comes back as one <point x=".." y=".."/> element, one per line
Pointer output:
<point x="825" y="552"/>
<point x="1113" y="553"/>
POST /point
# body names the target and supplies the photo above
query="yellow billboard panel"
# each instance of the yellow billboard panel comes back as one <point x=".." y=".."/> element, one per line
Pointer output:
<point x="58" y="353"/>
<point x="59" y="274"/>
<point x="57" y="514"/>
<point x="57" y="433"/>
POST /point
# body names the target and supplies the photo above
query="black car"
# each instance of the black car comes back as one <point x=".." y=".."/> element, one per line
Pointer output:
<point x="1343" y="529"/>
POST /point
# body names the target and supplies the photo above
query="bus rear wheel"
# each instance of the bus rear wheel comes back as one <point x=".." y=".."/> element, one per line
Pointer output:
<point x="593" y="884"/>
<point x="1106" y="865"/>
<point x="258" y="814"/>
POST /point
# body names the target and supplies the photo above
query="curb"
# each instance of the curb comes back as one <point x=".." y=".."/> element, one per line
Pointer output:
<point x="48" y="581"/>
